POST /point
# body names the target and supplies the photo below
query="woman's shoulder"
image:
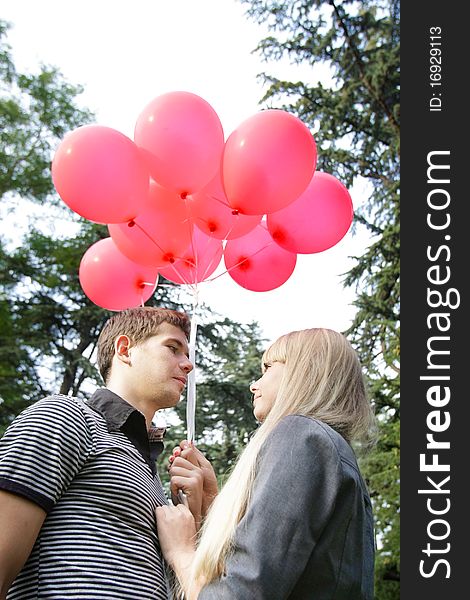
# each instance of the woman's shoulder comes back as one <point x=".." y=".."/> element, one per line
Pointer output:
<point x="299" y="431"/>
<point x="305" y="426"/>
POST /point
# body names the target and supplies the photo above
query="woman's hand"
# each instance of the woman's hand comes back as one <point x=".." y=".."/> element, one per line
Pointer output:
<point x="192" y="473"/>
<point x="177" y="534"/>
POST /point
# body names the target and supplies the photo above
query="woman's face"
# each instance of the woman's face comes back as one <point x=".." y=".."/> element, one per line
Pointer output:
<point x="265" y="389"/>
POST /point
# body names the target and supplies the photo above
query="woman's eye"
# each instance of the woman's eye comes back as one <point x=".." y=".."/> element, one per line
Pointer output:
<point x="266" y="366"/>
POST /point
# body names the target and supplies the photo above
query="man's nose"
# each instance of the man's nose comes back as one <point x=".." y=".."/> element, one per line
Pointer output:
<point x="187" y="365"/>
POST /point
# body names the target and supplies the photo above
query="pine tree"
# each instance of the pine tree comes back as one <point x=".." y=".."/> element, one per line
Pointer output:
<point x="35" y="112"/>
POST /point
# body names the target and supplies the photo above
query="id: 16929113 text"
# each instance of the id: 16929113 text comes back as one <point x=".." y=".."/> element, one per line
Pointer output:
<point x="435" y="68"/>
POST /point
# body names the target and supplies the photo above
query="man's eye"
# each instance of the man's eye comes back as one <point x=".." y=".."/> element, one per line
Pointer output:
<point x="174" y="349"/>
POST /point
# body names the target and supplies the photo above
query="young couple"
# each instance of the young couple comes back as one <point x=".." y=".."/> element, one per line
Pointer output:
<point x="83" y="513"/>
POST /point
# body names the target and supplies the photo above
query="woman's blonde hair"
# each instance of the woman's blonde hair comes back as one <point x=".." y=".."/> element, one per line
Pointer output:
<point x="322" y="378"/>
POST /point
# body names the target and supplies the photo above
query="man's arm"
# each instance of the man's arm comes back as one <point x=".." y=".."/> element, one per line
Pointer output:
<point x="20" y="523"/>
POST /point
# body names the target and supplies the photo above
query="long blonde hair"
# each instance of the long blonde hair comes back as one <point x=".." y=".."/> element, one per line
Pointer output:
<point x="322" y="378"/>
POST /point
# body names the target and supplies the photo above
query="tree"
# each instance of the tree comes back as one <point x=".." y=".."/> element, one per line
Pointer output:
<point x="35" y="112"/>
<point x="354" y="114"/>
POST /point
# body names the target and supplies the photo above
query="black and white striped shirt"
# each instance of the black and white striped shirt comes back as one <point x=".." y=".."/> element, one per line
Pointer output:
<point x="91" y="466"/>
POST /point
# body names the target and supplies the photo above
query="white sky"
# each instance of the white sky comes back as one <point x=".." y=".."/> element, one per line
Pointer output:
<point x="127" y="53"/>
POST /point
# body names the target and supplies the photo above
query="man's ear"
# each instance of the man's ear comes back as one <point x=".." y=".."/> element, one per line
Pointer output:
<point x="122" y="347"/>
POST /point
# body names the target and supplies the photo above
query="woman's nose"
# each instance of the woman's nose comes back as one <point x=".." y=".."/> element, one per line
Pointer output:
<point x="253" y="386"/>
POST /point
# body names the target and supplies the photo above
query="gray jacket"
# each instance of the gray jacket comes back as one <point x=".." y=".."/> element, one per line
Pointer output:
<point x="308" y="530"/>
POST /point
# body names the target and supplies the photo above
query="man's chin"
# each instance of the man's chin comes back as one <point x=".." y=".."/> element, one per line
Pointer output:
<point x="170" y="401"/>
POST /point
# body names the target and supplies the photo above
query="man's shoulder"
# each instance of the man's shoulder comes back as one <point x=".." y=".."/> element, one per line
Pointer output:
<point x="58" y="408"/>
<point x="59" y="402"/>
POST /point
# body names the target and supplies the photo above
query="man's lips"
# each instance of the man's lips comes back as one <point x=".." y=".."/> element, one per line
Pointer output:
<point x="181" y="379"/>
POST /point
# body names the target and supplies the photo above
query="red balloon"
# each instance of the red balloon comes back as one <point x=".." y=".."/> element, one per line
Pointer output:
<point x="100" y="174"/>
<point x="161" y="232"/>
<point x="112" y="281"/>
<point x="212" y="213"/>
<point x="317" y="220"/>
<point x="256" y="263"/>
<point x="268" y="162"/>
<point x="182" y="139"/>
<point x="199" y="261"/>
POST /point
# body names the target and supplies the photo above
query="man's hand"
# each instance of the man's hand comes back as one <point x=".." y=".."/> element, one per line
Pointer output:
<point x="192" y="473"/>
<point x="177" y="535"/>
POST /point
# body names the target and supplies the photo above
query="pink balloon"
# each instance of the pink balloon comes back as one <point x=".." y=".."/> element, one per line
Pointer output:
<point x="112" y="281"/>
<point x="268" y="162"/>
<point x="212" y="213"/>
<point x="199" y="261"/>
<point x="100" y="174"/>
<point x="182" y="140"/>
<point x="161" y="232"/>
<point x="256" y="263"/>
<point x="317" y="220"/>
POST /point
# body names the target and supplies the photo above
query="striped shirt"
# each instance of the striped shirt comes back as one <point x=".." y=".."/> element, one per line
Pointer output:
<point x="91" y="466"/>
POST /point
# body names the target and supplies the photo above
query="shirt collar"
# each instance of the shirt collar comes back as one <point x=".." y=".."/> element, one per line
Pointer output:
<point x="116" y="411"/>
<point x="112" y="407"/>
<point x="122" y="416"/>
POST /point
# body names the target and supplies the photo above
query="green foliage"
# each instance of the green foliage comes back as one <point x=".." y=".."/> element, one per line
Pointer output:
<point x="36" y="110"/>
<point x="354" y="115"/>
<point x="55" y="326"/>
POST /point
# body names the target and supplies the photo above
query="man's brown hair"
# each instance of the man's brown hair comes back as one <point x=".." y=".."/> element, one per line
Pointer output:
<point x="138" y="324"/>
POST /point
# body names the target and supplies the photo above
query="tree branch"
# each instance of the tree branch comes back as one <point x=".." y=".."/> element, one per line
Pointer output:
<point x="360" y="66"/>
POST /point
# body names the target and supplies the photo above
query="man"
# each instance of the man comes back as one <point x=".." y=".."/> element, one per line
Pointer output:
<point x="78" y="483"/>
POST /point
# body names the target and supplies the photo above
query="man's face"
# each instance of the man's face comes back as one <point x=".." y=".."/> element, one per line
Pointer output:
<point x="160" y="367"/>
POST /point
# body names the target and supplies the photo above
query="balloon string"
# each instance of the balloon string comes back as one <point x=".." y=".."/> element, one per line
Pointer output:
<point x="221" y="201"/>
<point x="231" y="228"/>
<point x="190" y="223"/>
<point x="234" y="212"/>
<point x="240" y="262"/>
<point x="191" y="393"/>
<point x="135" y="224"/>
<point x="142" y="285"/>
<point x="178" y="273"/>
<point x="209" y="265"/>
<point x="198" y="256"/>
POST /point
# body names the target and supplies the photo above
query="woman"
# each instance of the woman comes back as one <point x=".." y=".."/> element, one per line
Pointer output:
<point x="294" y="519"/>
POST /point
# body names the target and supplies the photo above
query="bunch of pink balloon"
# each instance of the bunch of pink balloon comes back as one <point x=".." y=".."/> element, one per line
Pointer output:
<point x="179" y="198"/>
